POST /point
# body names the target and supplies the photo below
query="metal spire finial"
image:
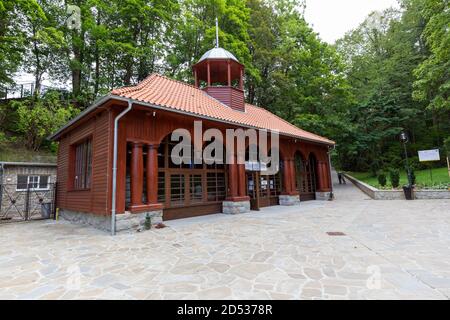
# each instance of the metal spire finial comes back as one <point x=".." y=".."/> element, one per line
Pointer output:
<point x="217" y="32"/>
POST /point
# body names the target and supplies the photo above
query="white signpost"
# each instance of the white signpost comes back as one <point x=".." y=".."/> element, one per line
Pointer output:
<point x="429" y="155"/>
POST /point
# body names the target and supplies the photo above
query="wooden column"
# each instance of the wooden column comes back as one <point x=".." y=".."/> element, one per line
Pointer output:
<point x="137" y="175"/>
<point x="232" y="181"/>
<point x="241" y="172"/>
<point x="321" y="179"/>
<point x="229" y="73"/>
<point x="208" y="67"/>
<point x="327" y="170"/>
<point x="324" y="177"/>
<point x="287" y="177"/>
<point x="152" y="173"/>
<point x="292" y="173"/>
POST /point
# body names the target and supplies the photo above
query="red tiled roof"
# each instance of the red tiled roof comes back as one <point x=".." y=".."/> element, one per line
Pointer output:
<point x="172" y="94"/>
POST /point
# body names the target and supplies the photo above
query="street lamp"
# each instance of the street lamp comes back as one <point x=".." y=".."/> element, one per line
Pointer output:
<point x="404" y="138"/>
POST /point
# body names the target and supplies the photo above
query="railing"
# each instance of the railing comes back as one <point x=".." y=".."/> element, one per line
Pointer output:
<point x="23" y="90"/>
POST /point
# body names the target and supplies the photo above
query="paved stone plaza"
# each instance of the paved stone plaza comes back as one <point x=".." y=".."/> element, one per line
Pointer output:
<point x="390" y="250"/>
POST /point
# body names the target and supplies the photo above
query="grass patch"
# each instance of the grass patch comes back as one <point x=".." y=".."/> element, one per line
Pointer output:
<point x="441" y="180"/>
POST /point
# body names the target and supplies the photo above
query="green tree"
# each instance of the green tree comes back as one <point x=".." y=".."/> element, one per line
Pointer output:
<point x="194" y="34"/>
<point x="38" y="119"/>
<point x="433" y="74"/>
<point x="13" y="34"/>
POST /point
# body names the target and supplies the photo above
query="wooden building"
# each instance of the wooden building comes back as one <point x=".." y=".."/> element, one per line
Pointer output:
<point x="141" y="176"/>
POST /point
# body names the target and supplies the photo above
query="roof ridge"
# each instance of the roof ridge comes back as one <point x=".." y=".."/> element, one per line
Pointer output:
<point x="135" y="87"/>
<point x="178" y="81"/>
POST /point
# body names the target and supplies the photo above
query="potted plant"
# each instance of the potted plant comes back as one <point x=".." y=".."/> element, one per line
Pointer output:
<point x="408" y="189"/>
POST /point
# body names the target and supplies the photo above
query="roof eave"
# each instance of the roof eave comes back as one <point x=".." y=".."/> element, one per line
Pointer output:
<point x="161" y="107"/>
<point x="110" y="96"/>
<point x="85" y="112"/>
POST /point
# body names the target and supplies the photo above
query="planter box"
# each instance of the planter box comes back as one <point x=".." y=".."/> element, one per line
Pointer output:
<point x="377" y="194"/>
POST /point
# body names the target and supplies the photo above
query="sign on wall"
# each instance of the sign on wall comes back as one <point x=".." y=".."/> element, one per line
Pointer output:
<point x="252" y="166"/>
<point x="429" y="155"/>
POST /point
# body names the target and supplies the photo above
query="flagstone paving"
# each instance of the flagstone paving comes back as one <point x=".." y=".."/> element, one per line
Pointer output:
<point x="390" y="250"/>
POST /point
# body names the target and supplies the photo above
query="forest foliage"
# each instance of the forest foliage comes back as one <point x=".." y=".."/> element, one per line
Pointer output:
<point x="388" y="75"/>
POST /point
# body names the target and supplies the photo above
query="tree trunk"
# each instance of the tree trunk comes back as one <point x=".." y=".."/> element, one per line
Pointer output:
<point x="97" y="60"/>
<point x="77" y="63"/>
<point x="37" y="70"/>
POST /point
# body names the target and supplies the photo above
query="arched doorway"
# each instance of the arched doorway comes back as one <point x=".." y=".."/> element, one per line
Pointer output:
<point x="305" y="176"/>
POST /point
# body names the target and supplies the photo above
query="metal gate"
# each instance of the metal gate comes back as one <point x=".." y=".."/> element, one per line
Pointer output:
<point x="26" y="205"/>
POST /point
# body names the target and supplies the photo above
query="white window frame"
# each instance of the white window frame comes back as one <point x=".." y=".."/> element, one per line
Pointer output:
<point x="35" y="182"/>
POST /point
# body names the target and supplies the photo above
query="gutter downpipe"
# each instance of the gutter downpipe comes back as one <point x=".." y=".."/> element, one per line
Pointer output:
<point x="329" y="170"/>
<point x="114" y="181"/>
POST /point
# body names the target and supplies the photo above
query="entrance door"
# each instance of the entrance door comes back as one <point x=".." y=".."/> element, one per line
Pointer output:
<point x="253" y="190"/>
<point x="263" y="190"/>
<point x="305" y="177"/>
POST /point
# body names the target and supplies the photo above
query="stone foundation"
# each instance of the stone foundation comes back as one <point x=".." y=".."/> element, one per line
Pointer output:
<point x="289" y="200"/>
<point x="323" y="195"/>
<point x="235" y="207"/>
<point x="376" y="194"/>
<point x="124" y="222"/>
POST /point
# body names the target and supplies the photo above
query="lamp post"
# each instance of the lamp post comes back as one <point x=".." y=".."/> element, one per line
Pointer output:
<point x="404" y="138"/>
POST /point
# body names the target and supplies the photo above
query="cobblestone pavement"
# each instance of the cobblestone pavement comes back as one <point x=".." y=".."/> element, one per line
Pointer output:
<point x="390" y="250"/>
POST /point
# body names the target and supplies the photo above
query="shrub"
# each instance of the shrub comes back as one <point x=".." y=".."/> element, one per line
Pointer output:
<point x="412" y="177"/>
<point x="3" y="139"/>
<point x="38" y="119"/>
<point x="382" y="179"/>
<point x="394" y="176"/>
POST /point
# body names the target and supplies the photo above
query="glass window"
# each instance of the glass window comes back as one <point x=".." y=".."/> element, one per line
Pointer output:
<point x="161" y="187"/>
<point x="83" y="165"/>
<point x="22" y="182"/>
<point x="215" y="182"/>
<point x="176" y="189"/>
<point x="43" y="182"/>
<point x="196" y="190"/>
<point x="33" y="182"/>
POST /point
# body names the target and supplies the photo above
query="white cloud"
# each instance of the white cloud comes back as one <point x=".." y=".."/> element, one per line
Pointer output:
<point x="333" y="18"/>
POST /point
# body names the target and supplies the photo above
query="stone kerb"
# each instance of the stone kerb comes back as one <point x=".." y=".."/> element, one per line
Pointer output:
<point x="377" y="194"/>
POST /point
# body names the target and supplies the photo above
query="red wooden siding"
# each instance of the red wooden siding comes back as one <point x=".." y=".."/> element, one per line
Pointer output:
<point x="229" y="96"/>
<point x="94" y="199"/>
<point x="148" y="126"/>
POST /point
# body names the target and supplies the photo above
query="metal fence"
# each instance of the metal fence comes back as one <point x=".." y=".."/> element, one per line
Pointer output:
<point x="26" y="205"/>
<point x="24" y="90"/>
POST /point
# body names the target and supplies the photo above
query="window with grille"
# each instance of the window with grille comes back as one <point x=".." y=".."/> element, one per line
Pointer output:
<point x="33" y="182"/>
<point x="215" y="182"/>
<point x="83" y="165"/>
<point x="176" y="189"/>
<point x="196" y="192"/>
<point x="161" y="187"/>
